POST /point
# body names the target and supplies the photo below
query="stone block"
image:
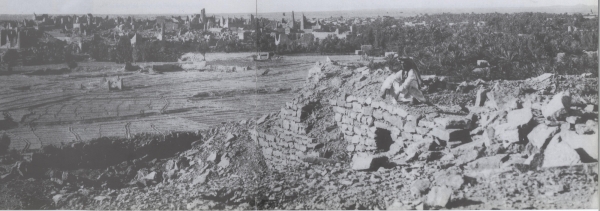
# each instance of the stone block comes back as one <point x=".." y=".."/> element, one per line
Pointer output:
<point x="438" y="197"/>
<point x="348" y="133"/>
<point x="300" y="147"/>
<point x="387" y="116"/>
<point x="350" y="99"/>
<point x="350" y="148"/>
<point x="368" y="111"/>
<point x="573" y="119"/>
<point x="427" y="124"/>
<point x="286" y="124"/>
<point x="413" y="119"/>
<point x="357" y="131"/>
<point x="370" y="142"/>
<point x="356" y="139"/>
<point x="356" y="107"/>
<point x="519" y="117"/>
<point x="450" y="134"/>
<point x="381" y="124"/>
<point x="559" y="153"/>
<point x="541" y="134"/>
<point x="263" y="143"/>
<point x="453" y="123"/>
<point x="419" y="187"/>
<point x="585" y="145"/>
<point x="508" y="137"/>
<point x="378" y="114"/>
<point x="590" y="108"/>
<point x="400" y="112"/>
<point x="584" y="129"/>
<point x="341" y="102"/>
<point x="375" y="104"/>
<point x="352" y="115"/>
<point x="338" y="117"/>
<point x="362" y="163"/>
<point x="423" y="130"/>
<point x="370" y="134"/>
<point x="332" y="102"/>
<point x="369" y="121"/>
<point x="406" y="135"/>
<point x="360" y="100"/>
<point x="359" y="117"/>
<point x="409" y="128"/>
<point x="397" y="122"/>
<point x="270" y="138"/>
<point x="558" y="106"/>
<point x="267" y="151"/>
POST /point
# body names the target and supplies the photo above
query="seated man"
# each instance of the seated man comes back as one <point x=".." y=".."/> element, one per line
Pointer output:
<point x="404" y="85"/>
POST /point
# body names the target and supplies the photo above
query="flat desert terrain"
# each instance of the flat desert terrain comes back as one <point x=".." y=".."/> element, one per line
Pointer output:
<point x="77" y="105"/>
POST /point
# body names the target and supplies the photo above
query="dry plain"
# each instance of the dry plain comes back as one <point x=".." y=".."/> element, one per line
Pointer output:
<point x="77" y="105"/>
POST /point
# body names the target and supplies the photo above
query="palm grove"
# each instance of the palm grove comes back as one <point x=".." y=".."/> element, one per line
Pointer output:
<point x="517" y="45"/>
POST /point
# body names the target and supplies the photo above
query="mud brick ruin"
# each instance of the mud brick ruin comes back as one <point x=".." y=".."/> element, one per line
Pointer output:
<point x="289" y="144"/>
<point x="376" y="130"/>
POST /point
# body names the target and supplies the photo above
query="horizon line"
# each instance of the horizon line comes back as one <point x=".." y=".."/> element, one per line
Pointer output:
<point x="348" y="10"/>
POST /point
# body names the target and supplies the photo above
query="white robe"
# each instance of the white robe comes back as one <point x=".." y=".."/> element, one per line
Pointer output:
<point x="405" y="91"/>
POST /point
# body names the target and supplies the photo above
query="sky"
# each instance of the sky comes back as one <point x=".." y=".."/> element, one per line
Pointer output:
<point x="249" y="6"/>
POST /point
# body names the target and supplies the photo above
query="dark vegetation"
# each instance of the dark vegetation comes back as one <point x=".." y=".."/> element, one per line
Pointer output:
<point x="517" y="46"/>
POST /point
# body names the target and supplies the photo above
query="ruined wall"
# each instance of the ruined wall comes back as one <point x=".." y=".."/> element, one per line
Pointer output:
<point x="372" y="126"/>
<point x="287" y="144"/>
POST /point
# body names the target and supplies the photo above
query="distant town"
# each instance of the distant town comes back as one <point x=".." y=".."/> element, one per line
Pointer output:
<point x="47" y="39"/>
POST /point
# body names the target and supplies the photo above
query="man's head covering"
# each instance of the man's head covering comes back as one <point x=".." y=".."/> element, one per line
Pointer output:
<point x="408" y="64"/>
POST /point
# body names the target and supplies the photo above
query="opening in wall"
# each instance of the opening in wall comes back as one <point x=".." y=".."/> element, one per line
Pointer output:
<point x="383" y="139"/>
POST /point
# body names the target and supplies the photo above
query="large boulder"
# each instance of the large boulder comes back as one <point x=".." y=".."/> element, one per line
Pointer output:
<point x="541" y="134"/>
<point x="520" y="117"/>
<point x="516" y="128"/>
<point x="559" y="153"/>
<point x="585" y="145"/>
<point x="558" y="107"/>
<point x="438" y="197"/>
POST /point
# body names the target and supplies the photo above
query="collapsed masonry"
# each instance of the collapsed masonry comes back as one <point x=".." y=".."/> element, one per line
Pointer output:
<point x="529" y="121"/>
<point x="289" y="143"/>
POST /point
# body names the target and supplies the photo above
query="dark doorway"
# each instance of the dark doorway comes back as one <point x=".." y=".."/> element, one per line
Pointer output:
<point x="383" y="139"/>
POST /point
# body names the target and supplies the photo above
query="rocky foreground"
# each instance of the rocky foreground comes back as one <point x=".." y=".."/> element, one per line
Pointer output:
<point x="528" y="144"/>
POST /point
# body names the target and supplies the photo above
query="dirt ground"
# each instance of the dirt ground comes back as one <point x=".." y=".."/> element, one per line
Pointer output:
<point x="77" y="105"/>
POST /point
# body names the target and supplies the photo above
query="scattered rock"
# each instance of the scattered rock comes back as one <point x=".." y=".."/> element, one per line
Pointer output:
<point x="584" y="129"/>
<point x="572" y="119"/>
<point x="368" y="162"/>
<point x="213" y="157"/>
<point x="585" y="145"/>
<point x="520" y="117"/>
<point x="224" y="162"/>
<point x="262" y="119"/>
<point x="201" y="179"/>
<point x="558" y="107"/>
<point x="559" y="153"/>
<point x="230" y="137"/>
<point x="541" y="134"/>
<point x="438" y="197"/>
<point x="419" y="187"/>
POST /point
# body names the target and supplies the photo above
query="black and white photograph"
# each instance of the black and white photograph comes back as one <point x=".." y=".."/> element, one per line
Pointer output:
<point x="299" y="104"/>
